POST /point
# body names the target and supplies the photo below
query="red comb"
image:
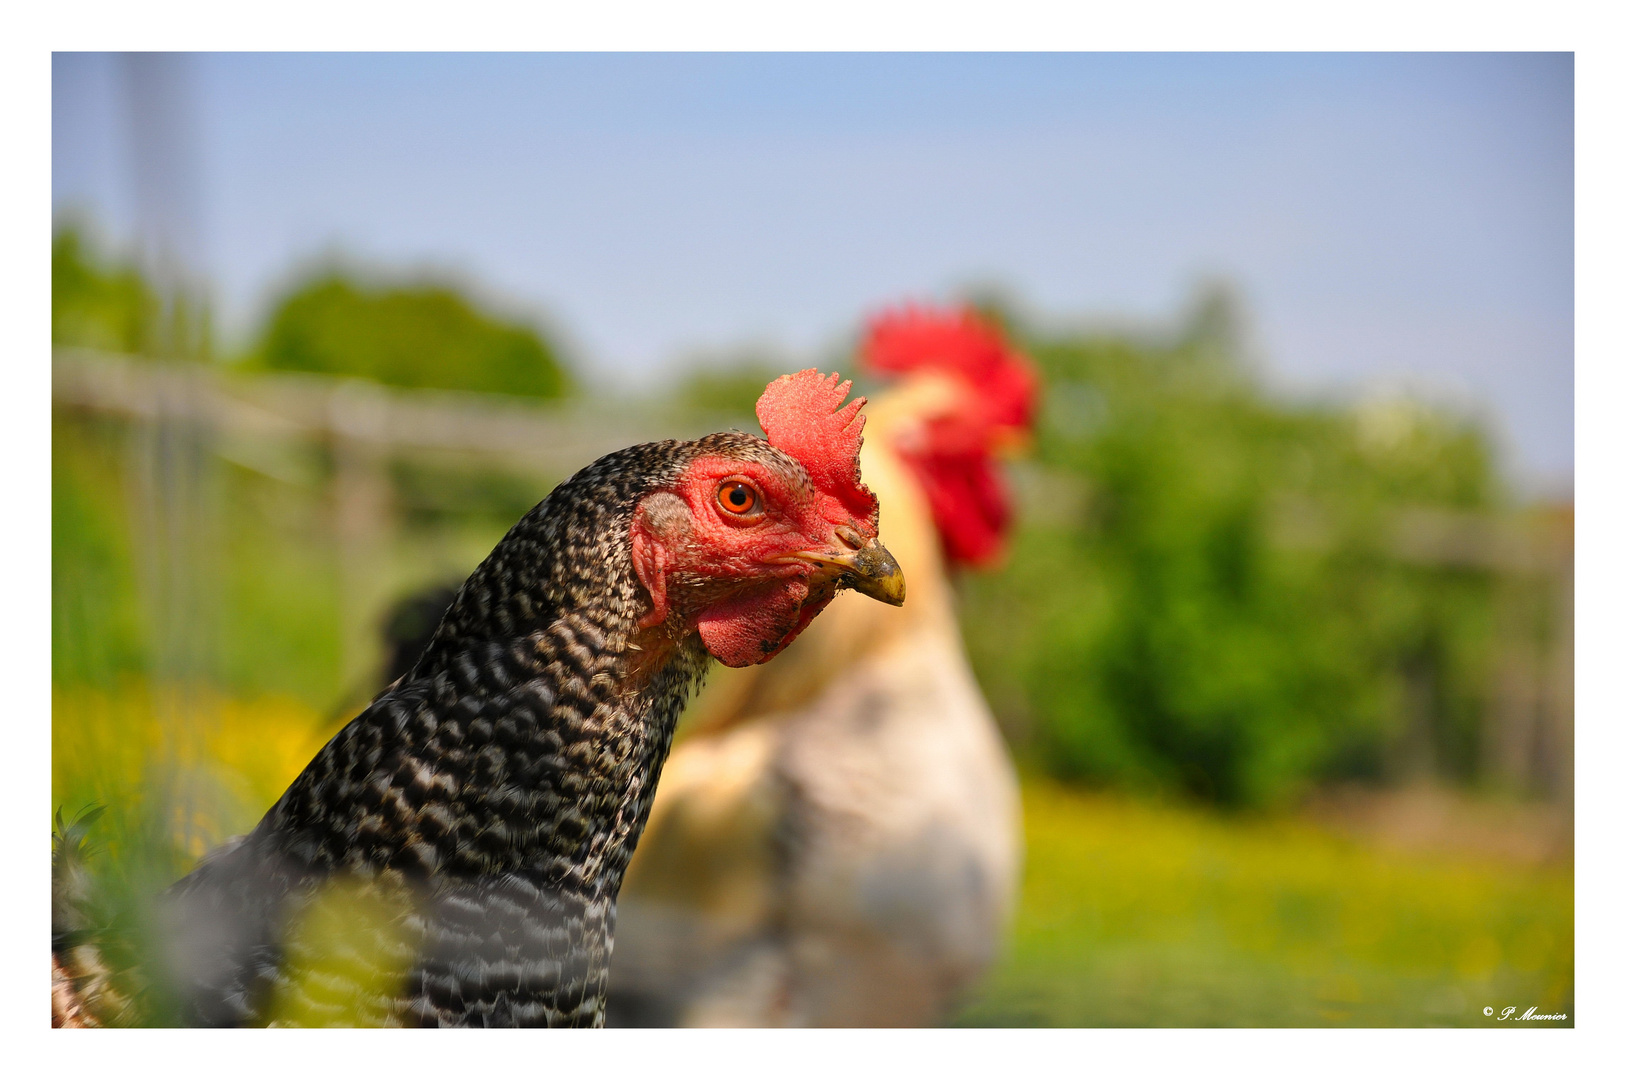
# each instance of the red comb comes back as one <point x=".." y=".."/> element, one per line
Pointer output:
<point x="803" y="415"/>
<point x="960" y="342"/>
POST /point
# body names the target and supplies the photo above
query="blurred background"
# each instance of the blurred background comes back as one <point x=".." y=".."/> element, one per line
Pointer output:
<point x="1282" y="638"/>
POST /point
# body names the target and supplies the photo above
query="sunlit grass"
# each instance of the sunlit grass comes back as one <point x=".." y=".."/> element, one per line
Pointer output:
<point x="224" y="761"/>
<point x="1142" y="915"/>
<point x="177" y="771"/>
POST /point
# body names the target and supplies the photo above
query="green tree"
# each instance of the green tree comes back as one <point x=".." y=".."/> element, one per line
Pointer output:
<point x="96" y="303"/>
<point x="420" y="335"/>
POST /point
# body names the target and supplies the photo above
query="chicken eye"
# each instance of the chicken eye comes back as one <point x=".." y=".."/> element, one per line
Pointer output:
<point x="738" y="497"/>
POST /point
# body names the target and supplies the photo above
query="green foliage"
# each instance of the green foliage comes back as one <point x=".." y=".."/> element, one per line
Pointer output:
<point x="1202" y="597"/>
<point x="96" y="626"/>
<point x="68" y="835"/>
<point x="95" y="303"/>
<point x="270" y="570"/>
<point x="731" y="386"/>
<point x="99" y="302"/>
<point x="415" y="335"/>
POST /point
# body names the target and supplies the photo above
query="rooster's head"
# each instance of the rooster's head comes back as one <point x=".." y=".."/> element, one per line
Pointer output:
<point x="964" y="395"/>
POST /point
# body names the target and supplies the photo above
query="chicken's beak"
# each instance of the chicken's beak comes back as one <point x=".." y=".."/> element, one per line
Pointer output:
<point x="870" y="569"/>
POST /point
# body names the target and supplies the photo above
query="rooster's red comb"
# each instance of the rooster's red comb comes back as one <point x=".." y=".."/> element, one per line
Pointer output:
<point x="960" y="342"/>
<point x="803" y="415"/>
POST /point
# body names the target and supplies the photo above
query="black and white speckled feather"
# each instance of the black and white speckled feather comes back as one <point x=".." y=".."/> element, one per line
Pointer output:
<point x="482" y="809"/>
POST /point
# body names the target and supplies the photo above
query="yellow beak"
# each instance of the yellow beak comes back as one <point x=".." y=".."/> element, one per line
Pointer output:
<point x="870" y="570"/>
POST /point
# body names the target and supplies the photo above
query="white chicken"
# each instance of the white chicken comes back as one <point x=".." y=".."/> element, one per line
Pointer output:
<point x="836" y="841"/>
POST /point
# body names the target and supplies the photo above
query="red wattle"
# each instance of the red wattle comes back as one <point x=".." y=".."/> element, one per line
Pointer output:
<point x="753" y="625"/>
<point x="968" y="503"/>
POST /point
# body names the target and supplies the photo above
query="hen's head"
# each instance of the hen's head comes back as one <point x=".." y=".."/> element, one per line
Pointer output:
<point x="755" y="537"/>
<point x="964" y="395"/>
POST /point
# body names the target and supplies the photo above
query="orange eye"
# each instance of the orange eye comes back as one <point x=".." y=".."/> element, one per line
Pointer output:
<point x="738" y="498"/>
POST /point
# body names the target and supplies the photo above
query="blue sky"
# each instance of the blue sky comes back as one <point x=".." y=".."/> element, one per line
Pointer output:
<point x="1388" y="220"/>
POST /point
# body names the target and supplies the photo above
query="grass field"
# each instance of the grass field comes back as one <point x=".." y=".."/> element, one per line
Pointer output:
<point x="1132" y="914"/>
<point x="1141" y="915"/>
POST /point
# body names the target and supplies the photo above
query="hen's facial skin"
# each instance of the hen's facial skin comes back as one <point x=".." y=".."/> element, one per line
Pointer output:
<point x="747" y="552"/>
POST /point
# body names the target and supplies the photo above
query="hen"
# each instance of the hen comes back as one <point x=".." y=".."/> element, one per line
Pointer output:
<point x="452" y="857"/>
<point x="837" y="838"/>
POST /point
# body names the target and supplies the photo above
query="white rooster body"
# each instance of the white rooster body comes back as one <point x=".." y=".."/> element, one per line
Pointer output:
<point x="836" y="839"/>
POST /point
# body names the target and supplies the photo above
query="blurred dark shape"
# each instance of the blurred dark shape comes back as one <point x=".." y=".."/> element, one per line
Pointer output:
<point x="410" y="624"/>
<point x="836" y="841"/>
<point x="1217" y="592"/>
<point x="415" y="335"/>
<point x="97" y="303"/>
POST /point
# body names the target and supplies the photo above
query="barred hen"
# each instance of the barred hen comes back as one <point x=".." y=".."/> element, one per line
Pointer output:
<point x="452" y="857"/>
<point x="837" y="838"/>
